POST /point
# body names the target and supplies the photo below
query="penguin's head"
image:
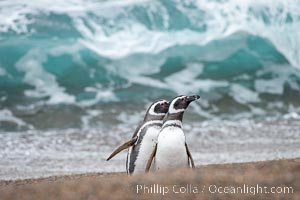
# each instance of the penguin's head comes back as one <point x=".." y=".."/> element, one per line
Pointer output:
<point x="158" y="109"/>
<point x="180" y="103"/>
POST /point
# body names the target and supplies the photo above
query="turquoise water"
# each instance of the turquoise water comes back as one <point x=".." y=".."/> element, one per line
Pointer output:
<point x="76" y="77"/>
<point x="72" y="59"/>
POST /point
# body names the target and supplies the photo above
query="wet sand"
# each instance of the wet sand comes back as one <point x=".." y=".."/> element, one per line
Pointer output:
<point x="258" y="180"/>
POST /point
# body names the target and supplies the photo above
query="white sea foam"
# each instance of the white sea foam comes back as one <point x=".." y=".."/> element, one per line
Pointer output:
<point x="275" y="85"/>
<point x="221" y="19"/>
<point x="45" y="83"/>
<point x="101" y="94"/>
<point x="7" y="116"/>
<point x="243" y="95"/>
<point x="130" y="119"/>
<point x="185" y="81"/>
<point x="276" y="20"/>
<point x="88" y="117"/>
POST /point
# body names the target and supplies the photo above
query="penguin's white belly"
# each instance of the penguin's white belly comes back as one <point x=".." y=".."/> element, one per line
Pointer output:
<point x="171" y="151"/>
<point x="146" y="148"/>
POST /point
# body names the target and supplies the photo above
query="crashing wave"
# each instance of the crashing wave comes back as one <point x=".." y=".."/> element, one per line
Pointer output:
<point x="241" y="56"/>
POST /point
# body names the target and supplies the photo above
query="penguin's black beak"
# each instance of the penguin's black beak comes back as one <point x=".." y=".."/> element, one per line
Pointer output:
<point x="192" y="98"/>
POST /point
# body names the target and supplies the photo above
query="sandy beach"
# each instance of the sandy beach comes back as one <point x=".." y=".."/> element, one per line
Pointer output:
<point x="257" y="180"/>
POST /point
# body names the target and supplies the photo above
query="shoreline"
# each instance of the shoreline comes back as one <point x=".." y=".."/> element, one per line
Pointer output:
<point x="276" y="173"/>
<point x="38" y="154"/>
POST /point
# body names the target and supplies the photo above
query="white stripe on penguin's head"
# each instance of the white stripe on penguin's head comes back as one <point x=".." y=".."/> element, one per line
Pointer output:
<point x="152" y="108"/>
<point x="172" y="109"/>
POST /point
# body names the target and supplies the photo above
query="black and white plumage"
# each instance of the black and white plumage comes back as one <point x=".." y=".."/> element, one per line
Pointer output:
<point x="172" y="150"/>
<point x="144" y="138"/>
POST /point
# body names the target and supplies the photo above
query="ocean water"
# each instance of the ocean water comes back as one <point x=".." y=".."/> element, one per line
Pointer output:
<point x="76" y="77"/>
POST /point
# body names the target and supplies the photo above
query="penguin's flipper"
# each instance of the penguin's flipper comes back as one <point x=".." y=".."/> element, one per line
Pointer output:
<point x="189" y="155"/>
<point x="150" y="159"/>
<point x="122" y="147"/>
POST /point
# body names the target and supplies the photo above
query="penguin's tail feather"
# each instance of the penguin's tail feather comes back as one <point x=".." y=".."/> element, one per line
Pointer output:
<point x="122" y="147"/>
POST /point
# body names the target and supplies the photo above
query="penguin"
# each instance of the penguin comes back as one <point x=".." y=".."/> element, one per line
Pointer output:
<point x="171" y="150"/>
<point x="144" y="138"/>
